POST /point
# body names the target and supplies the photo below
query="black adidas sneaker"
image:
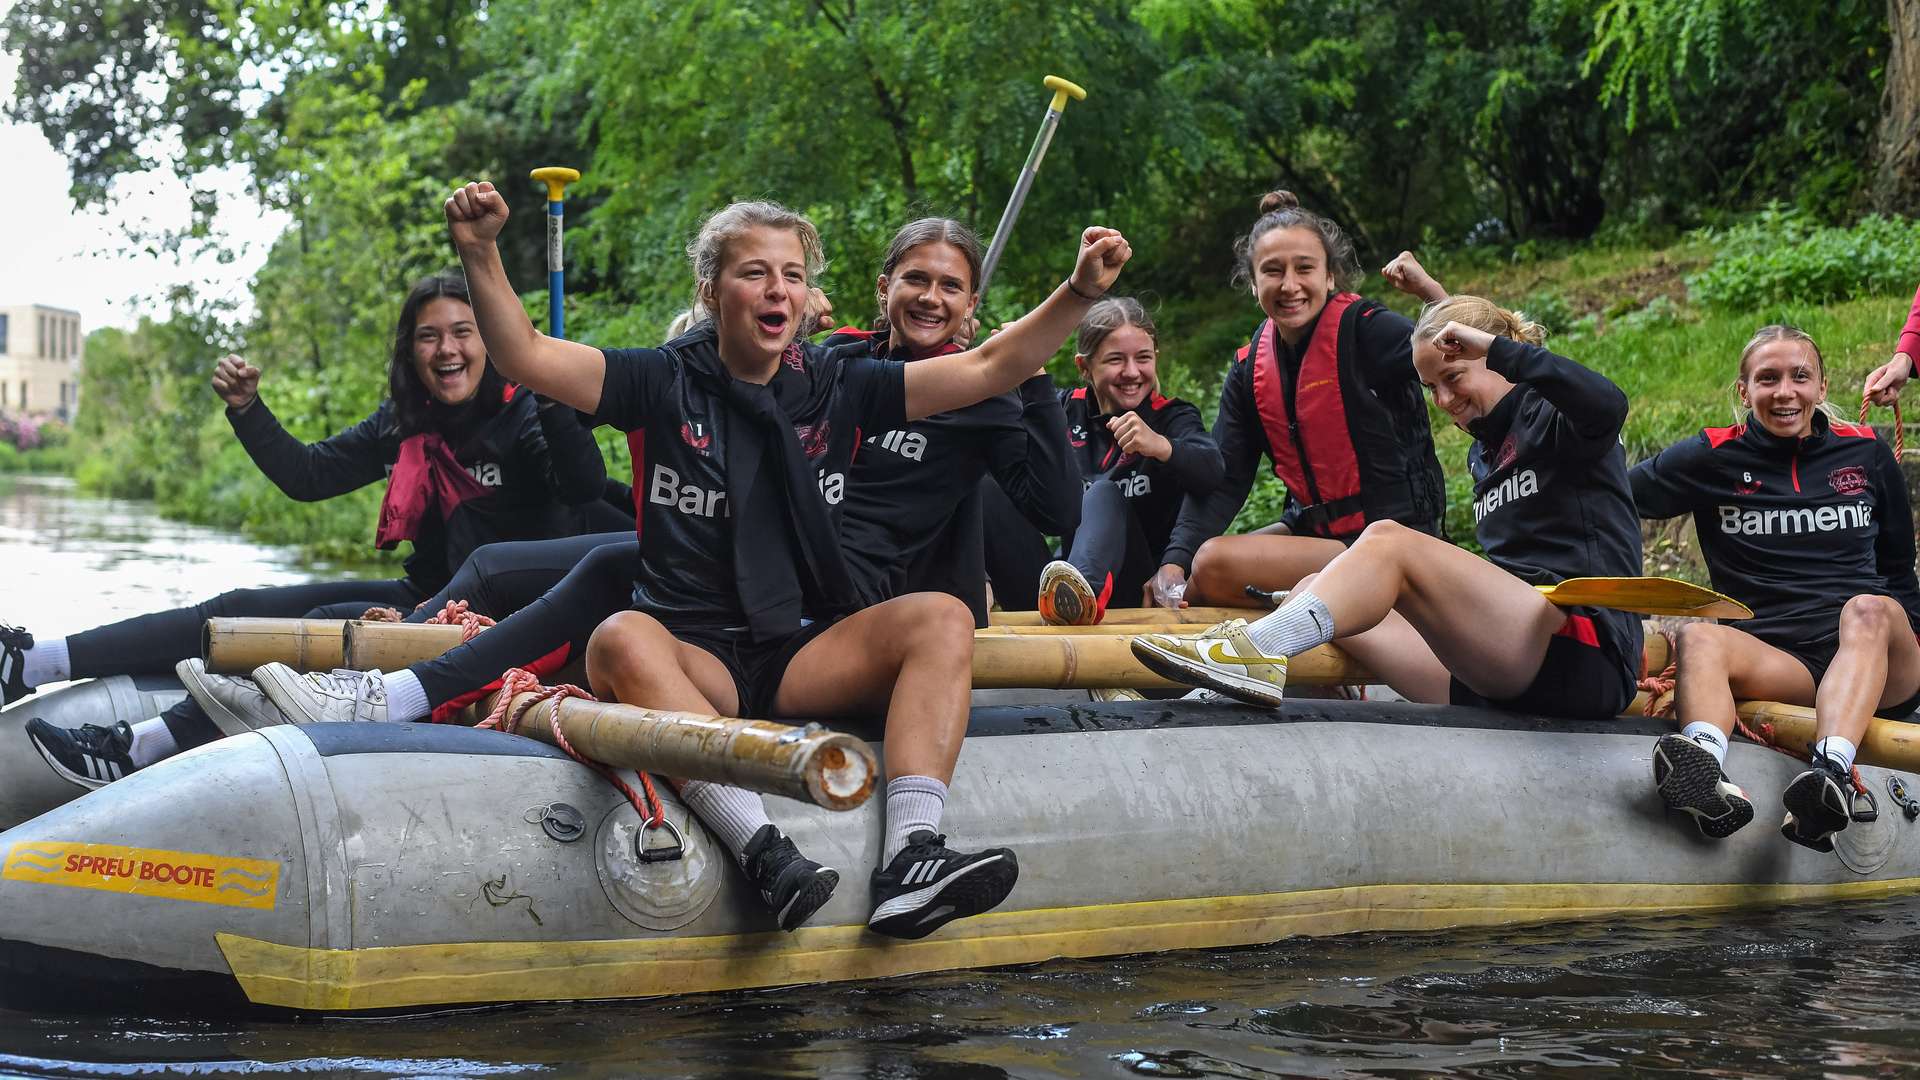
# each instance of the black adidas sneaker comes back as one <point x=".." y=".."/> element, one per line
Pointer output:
<point x="14" y="643"/>
<point x="791" y="885"/>
<point x="91" y="756"/>
<point x="928" y="885"/>
<point x="1691" y="781"/>
<point x="1818" y="803"/>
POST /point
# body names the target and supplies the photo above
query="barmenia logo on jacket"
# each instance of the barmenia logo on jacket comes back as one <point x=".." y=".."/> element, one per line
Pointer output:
<point x="1801" y="519"/>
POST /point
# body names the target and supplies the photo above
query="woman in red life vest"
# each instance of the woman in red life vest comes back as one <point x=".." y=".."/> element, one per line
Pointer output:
<point x="1327" y="392"/>
<point x="467" y="458"/>
<point x="1139" y="455"/>
<point x="1804" y="519"/>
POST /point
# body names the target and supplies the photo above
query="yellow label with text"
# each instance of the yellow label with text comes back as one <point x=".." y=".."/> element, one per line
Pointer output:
<point x="175" y="875"/>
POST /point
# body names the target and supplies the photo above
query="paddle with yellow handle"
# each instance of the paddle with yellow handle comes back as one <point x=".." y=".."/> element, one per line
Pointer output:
<point x="556" y="177"/>
<point x="1647" y="596"/>
<point x="1062" y="90"/>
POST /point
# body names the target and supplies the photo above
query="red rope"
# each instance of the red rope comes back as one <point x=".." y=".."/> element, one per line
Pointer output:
<point x="456" y="614"/>
<point x="505" y="718"/>
<point x="1899" y="425"/>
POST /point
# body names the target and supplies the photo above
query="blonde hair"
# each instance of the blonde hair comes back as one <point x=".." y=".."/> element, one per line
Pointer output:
<point x="707" y="251"/>
<point x="1481" y="314"/>
<point x="1767" y="335"/>
<point x="1103" y="318"/>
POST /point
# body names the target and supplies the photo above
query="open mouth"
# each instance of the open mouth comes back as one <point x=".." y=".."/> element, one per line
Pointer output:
<point x="449" y="372"/>
<point x="773" y="322"/>
<point x="1289" y="308"/>
<point x="926" y="320"/>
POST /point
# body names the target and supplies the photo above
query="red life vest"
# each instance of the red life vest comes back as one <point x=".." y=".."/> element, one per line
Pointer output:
<point x="1306" y="424"/>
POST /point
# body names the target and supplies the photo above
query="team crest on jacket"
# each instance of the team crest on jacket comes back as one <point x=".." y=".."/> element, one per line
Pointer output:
<point x="1746" y="485"/>
<point x="1508" y="451"/>
<point x="813" y="438"/>
<point x="694" y="433"/>
<point x="1851" y="480"/>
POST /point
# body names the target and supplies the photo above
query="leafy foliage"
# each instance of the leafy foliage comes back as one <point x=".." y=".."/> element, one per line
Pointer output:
<point x="1782" y="257"/>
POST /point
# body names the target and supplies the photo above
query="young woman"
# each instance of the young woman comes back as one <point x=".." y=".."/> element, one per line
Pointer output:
<point x="1327" y="391"/>
<point x="1438" y="623"/>
<point x="907" y="524"/>
<point x="1805" y="520"/>
<point x="742" y="438"/>
<point x="472" y="460"/>
<point x="913" y="516"/>
<point x="1139" y="455"/>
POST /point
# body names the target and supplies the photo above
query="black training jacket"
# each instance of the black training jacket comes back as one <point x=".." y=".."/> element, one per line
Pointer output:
<point x="1386" y="421"/>
<point x="1550" y="495"/>
<point x="1155" y="490"/>
<point x="912" y="519"/>
<point x="531" y="482"/>
<point x="1792" y="528"/>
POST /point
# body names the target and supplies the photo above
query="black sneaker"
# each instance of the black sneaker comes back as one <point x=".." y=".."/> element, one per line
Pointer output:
<point x="1818" y="804"/>
<point x="1690" y="780"/>
<point x="14" y="643"/>
<point x="791" y="885"/>
<point x="928" y="885"/>
<point x="91" y="756"/>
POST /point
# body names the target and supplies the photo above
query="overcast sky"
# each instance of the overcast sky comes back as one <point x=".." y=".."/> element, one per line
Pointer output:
<point x="51" y="253"/>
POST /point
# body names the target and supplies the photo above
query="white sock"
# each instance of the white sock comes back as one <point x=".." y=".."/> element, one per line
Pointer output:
<point x="151" y="742"/>
<point x="913" y="803"/>
<point x="406" y="698"/>
<point x="46" y="662"/>
<point x="1838" y="749"/>
<point x="734" y="814"/>
<point x="1708" y="736"/>
<point x="1298" y="626"/>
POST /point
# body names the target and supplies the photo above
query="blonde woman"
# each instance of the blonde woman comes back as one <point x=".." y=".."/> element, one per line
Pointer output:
<point x="1440" y="624"/>
<point x="1804" y="519"/>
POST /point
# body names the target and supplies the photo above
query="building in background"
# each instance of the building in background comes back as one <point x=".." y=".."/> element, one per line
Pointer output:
<point x="40" y="354"/>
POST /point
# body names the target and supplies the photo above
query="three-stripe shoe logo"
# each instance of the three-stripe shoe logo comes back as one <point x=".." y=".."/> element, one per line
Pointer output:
<point x="923" y="871"/>
<point x="102" y="769"/>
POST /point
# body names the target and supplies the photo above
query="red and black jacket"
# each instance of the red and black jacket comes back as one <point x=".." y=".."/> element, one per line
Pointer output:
<point x="1155" y="490"/>
<point x="1340" y="418"/>
<point x="1792" y="528"/>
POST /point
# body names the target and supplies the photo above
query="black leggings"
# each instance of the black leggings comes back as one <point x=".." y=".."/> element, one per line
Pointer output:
<point x="151" y="644"/>
<point x="507" y="581"/>
<point x="1108" y="541"/>
<point x="594" y="586"/>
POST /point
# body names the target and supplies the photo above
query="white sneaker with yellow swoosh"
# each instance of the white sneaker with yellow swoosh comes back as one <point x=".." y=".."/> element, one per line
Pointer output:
<point x="1222" y="657"/>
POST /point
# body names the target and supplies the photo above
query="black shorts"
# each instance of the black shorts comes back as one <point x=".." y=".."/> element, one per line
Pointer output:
<point x="756" y="666"/>
<point x="1817" y="657"/>
<point x="1580" y="678"/>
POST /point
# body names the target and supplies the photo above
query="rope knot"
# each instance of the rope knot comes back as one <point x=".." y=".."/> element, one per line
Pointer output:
<point x="505" y="717"/>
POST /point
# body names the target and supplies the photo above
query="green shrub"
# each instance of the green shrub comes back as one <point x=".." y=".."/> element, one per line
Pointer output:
<point x="1782" y="257"/>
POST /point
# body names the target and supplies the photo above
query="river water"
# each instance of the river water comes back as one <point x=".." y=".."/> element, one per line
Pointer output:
<point x="1801" y="991"/>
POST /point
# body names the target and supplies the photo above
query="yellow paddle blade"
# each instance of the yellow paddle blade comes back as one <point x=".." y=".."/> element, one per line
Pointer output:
<point x="1646" y="595"/>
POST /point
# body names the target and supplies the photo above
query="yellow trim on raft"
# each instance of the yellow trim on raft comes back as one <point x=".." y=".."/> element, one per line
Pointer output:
<point x="413" y="975"/>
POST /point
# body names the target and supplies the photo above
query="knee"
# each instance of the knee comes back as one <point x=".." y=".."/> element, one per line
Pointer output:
<point x="1386" y="533"/>
<point x="1869" y="617"/>
<point x="1700" y="643"/>
<point x="1212" y="560"/>
<point x="617" y="643"/>
<point x="936" y="624"/>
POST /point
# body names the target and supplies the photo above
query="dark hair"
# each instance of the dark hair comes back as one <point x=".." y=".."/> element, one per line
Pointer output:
<point x="1108" y="315"/>
<point x="411" y="401"/>
<point x="1281" y="210"/>
<point x="930" y="230"/>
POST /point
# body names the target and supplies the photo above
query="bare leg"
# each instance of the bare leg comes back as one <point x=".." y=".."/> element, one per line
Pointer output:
<point x="1225" y="565"/>
<point x="911" y="658"/>
<point x="1876" y="665"/>
<point x="1449" y="597"/>
<point x="1715" y="664"/>
<point x="639" y="662"/>
<point x="1397" y="655"/>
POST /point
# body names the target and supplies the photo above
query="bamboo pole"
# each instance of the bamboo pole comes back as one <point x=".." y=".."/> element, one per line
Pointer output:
<point x="386" y="646"/>
<point x="1203" y="616"/>
<point x="237" y="646"/>
<point x="827" y="768"/>
<point x="1889" y="744"/>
